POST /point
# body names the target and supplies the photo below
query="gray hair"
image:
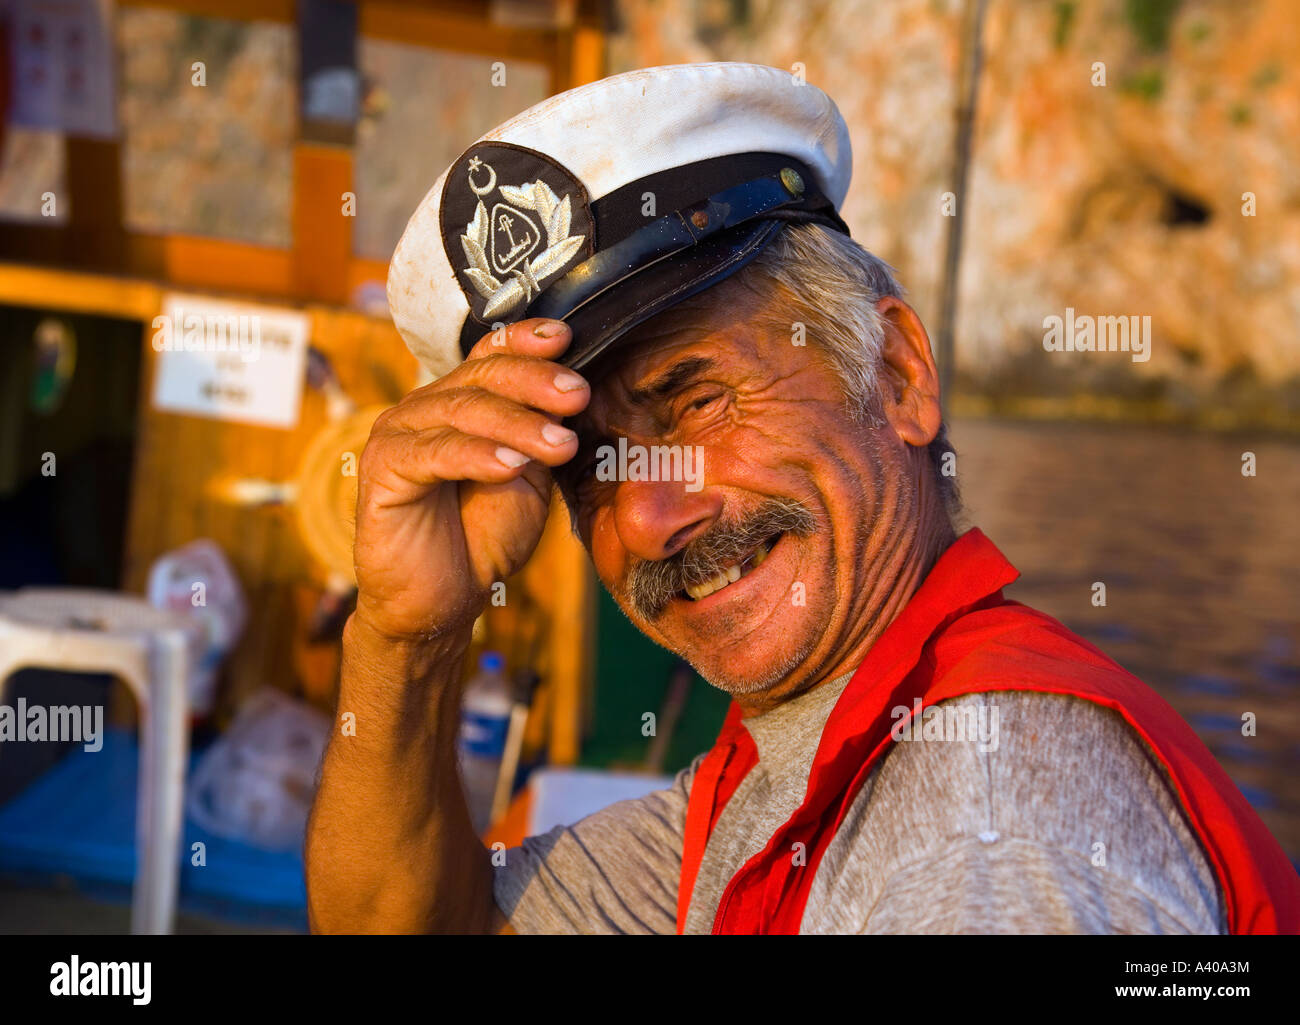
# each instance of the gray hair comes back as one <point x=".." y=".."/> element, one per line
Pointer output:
<point x="831" y="285"/>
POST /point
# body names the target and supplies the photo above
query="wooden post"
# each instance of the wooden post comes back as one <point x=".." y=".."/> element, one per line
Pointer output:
<point x="967" y="90"/>
<point x="322" y="232"/>
<point x="573" y="625"/>
<point x="94" y="236"/>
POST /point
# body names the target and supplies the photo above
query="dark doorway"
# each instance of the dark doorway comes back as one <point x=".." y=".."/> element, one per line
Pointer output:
<point x="65" y="452"/>
<point x="69" y="387"/>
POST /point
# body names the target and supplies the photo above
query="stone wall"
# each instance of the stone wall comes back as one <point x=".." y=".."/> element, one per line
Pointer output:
<point x="1122" y="199"/>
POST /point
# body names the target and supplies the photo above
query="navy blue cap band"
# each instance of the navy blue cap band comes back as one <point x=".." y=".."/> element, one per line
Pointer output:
<point x="786" y="192"/>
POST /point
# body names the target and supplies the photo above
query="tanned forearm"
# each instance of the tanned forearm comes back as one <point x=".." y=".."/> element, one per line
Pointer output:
<point x="390" y="847"/>
<point x="453" y="494"/>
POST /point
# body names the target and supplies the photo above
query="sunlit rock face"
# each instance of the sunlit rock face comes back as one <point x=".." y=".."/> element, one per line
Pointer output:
<point x="1128" y="198"/>
<point x="1170" y="191"/>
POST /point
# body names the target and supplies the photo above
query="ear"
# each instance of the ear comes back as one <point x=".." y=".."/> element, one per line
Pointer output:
<point x="909" y="381"/>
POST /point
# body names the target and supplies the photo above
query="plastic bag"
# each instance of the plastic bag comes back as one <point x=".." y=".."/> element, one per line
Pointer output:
<point x="197" y="579"/>
<point x="256" y="783"/>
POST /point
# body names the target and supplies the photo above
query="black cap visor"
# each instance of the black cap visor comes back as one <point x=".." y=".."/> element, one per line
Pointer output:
<point x="660" y="264"/>
<point x="604" y="319"/>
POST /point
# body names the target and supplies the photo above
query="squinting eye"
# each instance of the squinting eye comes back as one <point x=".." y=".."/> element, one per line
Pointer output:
<point x="707" y="400"/>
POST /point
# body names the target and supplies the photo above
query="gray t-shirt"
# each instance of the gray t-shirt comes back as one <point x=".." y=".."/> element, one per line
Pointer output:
<point x="1065" y="823"/>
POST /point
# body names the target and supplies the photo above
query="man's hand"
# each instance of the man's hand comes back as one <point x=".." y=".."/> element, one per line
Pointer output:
<point x="454" y="492"/>
<point x="455" y="481"/>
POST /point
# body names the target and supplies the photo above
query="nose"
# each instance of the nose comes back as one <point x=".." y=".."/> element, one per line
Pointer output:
<point x="656" y="519"/>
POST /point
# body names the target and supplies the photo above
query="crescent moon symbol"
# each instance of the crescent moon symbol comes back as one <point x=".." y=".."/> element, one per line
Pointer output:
<point x="492" y="182"/>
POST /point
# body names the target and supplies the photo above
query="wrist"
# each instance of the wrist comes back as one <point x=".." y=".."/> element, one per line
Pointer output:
<point x="367" y="630"/>
<point x="409" y="684"/>
<point x="371" y="651"/>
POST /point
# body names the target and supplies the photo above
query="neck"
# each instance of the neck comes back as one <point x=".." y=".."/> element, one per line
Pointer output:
<point x="899" y="577"/>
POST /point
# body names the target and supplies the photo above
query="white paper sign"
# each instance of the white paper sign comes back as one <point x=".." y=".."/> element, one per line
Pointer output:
<point x="229" y="361"/>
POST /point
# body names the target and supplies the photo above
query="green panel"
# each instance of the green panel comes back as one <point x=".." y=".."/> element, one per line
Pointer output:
<point x="632" y="676"/>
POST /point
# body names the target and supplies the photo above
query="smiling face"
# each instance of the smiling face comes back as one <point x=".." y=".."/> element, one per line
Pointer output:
<point x="773" y="570"/>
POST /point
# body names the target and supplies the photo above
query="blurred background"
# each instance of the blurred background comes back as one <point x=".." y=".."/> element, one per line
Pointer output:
<point x="1013" y="159"/>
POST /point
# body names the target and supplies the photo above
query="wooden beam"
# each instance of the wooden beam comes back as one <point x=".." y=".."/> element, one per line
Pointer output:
<point x="183" y="261"/>
<point x="456" y="30"/>
<point x="33" y="243"/>
<point x="188" y="261"/>
<point x="76" y="292"/>
<point x="283" y="11"/>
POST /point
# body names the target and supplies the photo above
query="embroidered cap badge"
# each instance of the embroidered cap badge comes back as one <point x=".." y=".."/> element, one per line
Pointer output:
<point x="519" y="237"/>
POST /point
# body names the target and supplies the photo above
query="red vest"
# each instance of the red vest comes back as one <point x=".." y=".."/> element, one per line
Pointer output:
<point x="958" y="635"/>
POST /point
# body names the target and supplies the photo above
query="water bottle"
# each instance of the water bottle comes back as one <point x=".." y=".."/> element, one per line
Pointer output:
<point x="484" y="720"/>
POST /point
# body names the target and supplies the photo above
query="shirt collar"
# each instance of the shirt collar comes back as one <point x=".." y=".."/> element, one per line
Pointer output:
<point x="786" y="736"/>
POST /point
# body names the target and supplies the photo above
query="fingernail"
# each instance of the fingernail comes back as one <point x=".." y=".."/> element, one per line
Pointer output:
<point x="557" y="435"/>
<point x="569" y="382"/>
<point x="549" y="329"/>
<point x="509" y="457"/>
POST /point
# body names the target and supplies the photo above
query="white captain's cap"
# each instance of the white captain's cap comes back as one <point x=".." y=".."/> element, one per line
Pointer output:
<point x="609" y="203"/>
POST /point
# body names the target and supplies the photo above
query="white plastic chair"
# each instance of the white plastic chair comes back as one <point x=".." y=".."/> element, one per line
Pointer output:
<point x="152" y="651"/>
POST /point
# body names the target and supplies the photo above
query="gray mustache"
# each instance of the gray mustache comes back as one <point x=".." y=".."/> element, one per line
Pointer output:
<point x="653" y="584"/>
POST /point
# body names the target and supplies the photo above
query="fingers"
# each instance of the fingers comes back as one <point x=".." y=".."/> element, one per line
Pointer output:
<point x="488" y="418"/>
<point x="527" y="380"/>
<point x="517" y="360"/>
<point x="520" y="368"/>
<point x="446" y="454"/>
<point x="399" y="466"/>
<point x="535" y="337"/>
<point x="486" y="414"/>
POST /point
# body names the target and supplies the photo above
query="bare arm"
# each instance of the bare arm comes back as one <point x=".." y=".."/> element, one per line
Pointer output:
<point x="391" y="847"/>
<point x="453" y="493"/>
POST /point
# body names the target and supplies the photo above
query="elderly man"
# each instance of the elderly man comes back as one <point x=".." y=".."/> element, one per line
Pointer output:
<point x="658" y="261"/>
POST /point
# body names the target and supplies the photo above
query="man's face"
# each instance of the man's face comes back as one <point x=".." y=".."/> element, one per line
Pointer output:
<point x="796" y="502"/>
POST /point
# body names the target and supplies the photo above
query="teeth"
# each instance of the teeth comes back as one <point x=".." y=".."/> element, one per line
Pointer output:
<point x="726" y="576"/>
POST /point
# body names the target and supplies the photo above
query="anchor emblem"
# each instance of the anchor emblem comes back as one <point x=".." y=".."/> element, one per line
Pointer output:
<point x="498" y="245"/>
<point x="514" y="237"/>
